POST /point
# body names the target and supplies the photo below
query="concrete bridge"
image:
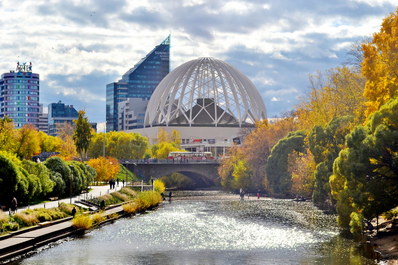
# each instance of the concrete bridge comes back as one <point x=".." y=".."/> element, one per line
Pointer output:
<point x="203" y="172"/>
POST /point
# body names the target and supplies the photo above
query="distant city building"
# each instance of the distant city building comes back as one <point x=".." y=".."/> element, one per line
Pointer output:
<point x="19" y="95"/>
<point x="131" y="113"/>
<point x="43" y="120"/>
<point x="94" y="126"/>
<point x="58" y="114"/>
<point x="138" y="82"/>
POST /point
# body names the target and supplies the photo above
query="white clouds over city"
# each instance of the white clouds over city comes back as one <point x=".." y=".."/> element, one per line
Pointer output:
<point x="78" y="47"/>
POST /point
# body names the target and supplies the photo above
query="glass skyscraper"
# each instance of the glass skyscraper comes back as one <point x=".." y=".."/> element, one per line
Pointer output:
<point x="19" y="95"/>
<point x="138" y="82"/>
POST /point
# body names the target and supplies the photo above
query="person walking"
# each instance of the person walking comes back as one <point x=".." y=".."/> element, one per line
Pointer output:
<point x="242" y="194"/>
<point x="73" y="211"/>
<point x="14" y="205"/>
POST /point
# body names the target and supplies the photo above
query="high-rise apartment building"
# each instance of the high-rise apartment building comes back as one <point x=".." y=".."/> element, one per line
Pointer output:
<point x="19" y="95"/>
<point x="132" y="113"/>
<point x="43" y="120"/>
<point x="138" y="82"/>
<point x="59" y="114"/>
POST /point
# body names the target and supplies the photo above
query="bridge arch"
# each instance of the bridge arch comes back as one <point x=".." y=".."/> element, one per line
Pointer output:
<point x="204" y="173"/>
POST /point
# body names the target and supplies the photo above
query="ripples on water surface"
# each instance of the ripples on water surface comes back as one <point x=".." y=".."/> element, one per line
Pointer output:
<point x="212" y="232"/>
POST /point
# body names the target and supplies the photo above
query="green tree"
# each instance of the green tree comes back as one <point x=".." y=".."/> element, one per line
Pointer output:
<point x="59" y="169"/>
<point x="325" y="143"/>
<point x="82" y="135"/>
<point x="367" y="170"/>
<point x="43" y="176"/>
<point x="11" y="179"/>
<point x="277" y="171"/>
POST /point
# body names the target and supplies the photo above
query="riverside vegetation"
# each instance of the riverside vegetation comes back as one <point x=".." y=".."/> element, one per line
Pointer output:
<point x="33" y="217"/>
<point x="340" y="146"/>
<point x="133" y="202"/>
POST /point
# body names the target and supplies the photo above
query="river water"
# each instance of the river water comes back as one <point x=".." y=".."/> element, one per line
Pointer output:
<point x="212" y="229"/>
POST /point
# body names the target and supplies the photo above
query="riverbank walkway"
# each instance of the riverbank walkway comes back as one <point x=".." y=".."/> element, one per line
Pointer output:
<point x="95" y="191"/>
<point x="26" y="240"/>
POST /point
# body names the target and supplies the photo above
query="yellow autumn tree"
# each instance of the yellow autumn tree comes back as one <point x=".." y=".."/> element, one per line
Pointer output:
<point x="380" y="64"/>
<point x="50" y="143"/>
<point x="28" y="141"/>
<point x="68" y="149"/>
<point x="302" y="166"/>
<point x="162" y="136"/>
<point x="106" y="167"/>
<point x="336" y="93"/>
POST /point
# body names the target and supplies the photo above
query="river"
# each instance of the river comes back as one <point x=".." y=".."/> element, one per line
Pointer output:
<point x="212" y="228"/>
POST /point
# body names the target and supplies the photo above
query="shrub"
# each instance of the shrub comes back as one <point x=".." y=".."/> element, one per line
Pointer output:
<point x="47" y="214"/>
<point x="57" y="214"/>
<point x="3" y="217"/>
<point x="82" y="222"/>
<point x="109" y="199"/>
<point x="11" y="226"/>
<point x="121" y="196"/>
<point x="26" y="219"/>
<point x="131" y="207"/>
<point x="43" y="216"/>
<point x="128" y="191"/>
<point x="159" y="186"/>
<point x="150" y="198"/>
<point x="66" y="208"/>
<point x="97" y="218"/>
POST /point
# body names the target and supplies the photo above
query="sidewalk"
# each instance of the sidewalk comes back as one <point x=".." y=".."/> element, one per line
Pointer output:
<point x="95" y="191"/>
<point x="23" y="242"/>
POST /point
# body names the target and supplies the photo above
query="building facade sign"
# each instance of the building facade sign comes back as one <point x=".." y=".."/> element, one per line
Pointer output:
<point x="24" y="67"/>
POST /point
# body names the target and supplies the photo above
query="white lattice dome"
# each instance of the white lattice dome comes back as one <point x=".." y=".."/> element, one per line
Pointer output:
<point x="205" y="92"/>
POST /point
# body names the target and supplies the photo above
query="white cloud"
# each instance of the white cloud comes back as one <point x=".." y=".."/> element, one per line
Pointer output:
<point x="74" y="43"/>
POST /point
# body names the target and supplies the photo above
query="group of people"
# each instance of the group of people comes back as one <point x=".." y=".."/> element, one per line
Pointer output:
<point x="242" y="194"/>
<point x="112" y="183"/>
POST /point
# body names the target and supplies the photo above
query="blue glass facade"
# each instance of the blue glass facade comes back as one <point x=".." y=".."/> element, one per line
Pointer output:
<point x="138" y="82"/>
<point x="19" y="96"/>
<point x="59" y="113"/>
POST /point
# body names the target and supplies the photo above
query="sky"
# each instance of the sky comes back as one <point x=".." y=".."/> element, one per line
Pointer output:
<point x="78" y="47"/>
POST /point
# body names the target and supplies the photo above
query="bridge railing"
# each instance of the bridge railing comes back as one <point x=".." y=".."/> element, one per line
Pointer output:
<point x="168" y="161"/>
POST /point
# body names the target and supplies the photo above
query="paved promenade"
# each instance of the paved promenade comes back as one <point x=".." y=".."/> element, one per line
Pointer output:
<point x="95" y="191"/>
<point x="23" y="241"/>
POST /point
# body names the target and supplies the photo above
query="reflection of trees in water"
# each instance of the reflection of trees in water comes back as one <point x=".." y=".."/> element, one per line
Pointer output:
<point x="340" y="250"/>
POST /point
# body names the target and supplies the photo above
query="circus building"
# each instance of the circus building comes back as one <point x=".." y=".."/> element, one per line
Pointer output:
<point x="208" y="101"/>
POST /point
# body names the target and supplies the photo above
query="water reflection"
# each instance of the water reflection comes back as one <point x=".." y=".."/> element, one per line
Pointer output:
<point x="212" y="232"/>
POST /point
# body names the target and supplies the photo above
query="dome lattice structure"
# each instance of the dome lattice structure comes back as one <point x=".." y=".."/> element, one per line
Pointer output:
<point x="205" y="92"/>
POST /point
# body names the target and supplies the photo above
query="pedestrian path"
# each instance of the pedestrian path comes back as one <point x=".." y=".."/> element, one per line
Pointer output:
<point x="95" y="191"/>
<point x="24" y="241"/>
